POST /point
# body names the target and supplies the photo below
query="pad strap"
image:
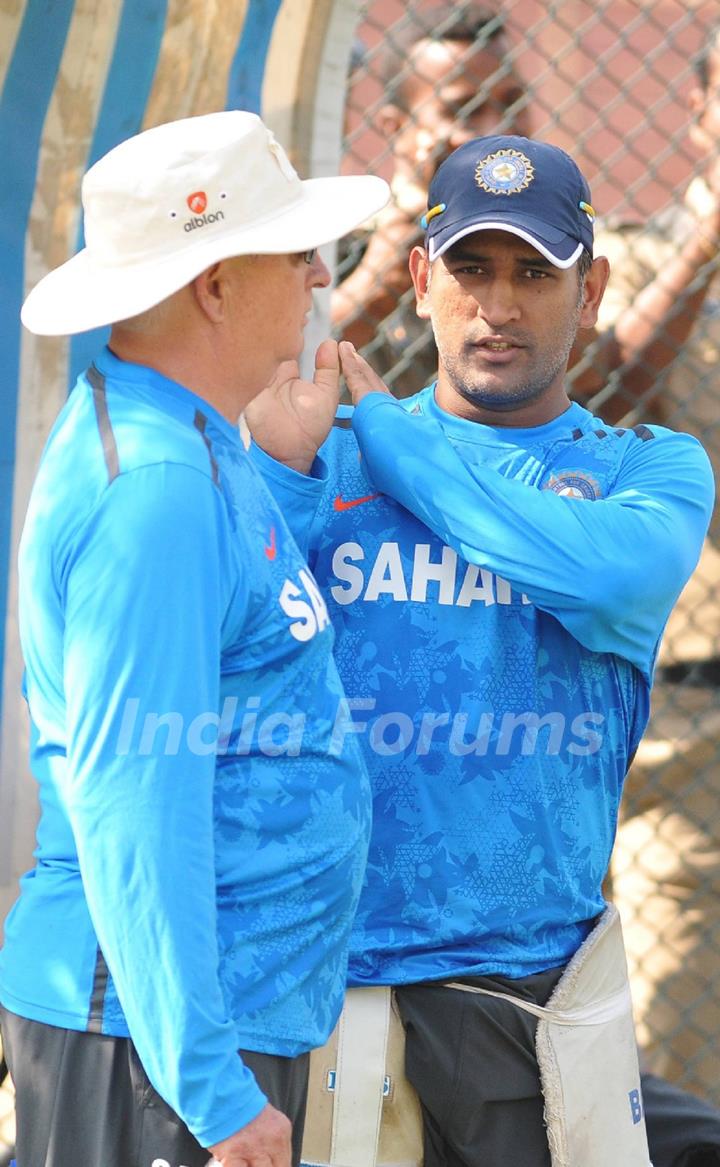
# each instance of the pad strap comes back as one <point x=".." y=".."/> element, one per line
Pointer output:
<point x="596" y="1013"/>
<point x="360" y="1080"/>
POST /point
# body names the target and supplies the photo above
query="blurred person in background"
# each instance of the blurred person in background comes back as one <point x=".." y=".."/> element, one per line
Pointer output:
<point x="444" y="84"/>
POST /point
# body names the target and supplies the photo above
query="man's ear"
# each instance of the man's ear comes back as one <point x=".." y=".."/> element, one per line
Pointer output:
<point x="209" y="291"/>
<point x="421" y="272"/>
<point x="593" y="291"/>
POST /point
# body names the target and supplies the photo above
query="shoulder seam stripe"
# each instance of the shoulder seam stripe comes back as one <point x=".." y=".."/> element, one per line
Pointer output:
<point x="200" y="422"/>
<point x="97" y="997"/>
<point x="642" y="431"/>
<point x="107" y="437"/>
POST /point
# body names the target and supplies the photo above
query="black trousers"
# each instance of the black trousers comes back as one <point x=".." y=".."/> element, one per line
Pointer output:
<point x="683" y="1131"/>
<point x="84" y="1100"/>
<point x="472" y="1061"/>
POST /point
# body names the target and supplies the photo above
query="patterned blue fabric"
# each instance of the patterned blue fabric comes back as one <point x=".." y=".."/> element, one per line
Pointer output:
<point x="196" y="824"/>
<point x="496" y="652"/>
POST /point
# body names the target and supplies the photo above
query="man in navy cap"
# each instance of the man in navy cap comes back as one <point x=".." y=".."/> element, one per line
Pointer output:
<point x="499" y="566"/>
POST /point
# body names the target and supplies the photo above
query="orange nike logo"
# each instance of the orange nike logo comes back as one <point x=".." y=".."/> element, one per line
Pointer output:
<point x="271" y="549"/>
<point x="344" y="504"/>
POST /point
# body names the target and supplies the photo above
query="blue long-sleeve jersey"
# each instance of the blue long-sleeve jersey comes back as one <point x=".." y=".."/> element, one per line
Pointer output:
<point x="200" y="848"/>
<point x="498" y="596"/>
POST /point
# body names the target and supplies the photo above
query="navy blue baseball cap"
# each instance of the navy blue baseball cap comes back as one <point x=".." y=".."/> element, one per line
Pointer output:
<point x="508" y="183"/>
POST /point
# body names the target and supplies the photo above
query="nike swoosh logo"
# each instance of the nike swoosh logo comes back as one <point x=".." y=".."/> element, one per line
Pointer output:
<point x="345" y="504"/>
<point x="271" y="549"/>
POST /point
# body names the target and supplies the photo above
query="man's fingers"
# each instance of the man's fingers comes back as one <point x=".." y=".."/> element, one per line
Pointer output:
<point x="360" y="376"/>
<point x="327" y="367"/>
<point x="264" y="1142"/>
<point x="326" y="356"/>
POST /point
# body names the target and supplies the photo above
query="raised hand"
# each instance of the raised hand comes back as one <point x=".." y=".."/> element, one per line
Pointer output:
<point x="292" y="417"/>
<point x="361" y="378"/>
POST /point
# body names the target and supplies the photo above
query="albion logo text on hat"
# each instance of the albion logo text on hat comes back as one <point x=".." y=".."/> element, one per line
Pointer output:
<point x="197" y="202"/>
<point x="504" y="173"/>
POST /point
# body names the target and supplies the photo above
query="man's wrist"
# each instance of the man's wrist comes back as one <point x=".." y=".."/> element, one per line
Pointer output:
<point x="300" y="465"/>
<point x="313" y="477"/>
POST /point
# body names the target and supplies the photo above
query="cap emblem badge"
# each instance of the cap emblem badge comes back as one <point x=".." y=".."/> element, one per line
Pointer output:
<point x="504" y="173"/>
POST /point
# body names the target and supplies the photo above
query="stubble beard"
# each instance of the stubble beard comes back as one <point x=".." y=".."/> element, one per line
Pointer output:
<point x="458" y="369"/>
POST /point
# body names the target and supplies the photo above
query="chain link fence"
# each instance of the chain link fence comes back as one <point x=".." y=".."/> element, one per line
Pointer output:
<point x="632" y="91"/>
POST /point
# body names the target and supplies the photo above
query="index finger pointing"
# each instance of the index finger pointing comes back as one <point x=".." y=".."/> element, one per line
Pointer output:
<point x="360" y="376"/>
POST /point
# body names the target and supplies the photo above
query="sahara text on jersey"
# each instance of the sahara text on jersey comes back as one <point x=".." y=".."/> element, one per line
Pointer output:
<point x="385" y="575"/>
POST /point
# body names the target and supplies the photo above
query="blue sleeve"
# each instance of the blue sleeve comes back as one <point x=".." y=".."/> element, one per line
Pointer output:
<point x="297" y="495"/>
<point x="609" y="571"/>
<point x="145" y="589"/>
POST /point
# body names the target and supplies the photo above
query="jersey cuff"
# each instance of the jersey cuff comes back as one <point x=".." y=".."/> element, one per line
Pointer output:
<point x="208" y="1134"/>
<point x="312" y="483"/>
<point x="370" y="402"/>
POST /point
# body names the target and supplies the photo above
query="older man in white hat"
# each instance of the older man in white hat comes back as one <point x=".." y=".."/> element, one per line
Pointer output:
<point x="180" y="945"/>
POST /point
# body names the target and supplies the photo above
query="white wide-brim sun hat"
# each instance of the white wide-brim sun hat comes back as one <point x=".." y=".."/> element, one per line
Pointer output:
<point x="166" y="204"/>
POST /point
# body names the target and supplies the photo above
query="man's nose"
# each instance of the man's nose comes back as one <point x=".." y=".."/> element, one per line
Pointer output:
<point x="319" y="272"/>
<point x="498" y="303"/>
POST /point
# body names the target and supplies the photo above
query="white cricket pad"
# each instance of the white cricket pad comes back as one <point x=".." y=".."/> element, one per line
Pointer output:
<point x="362" y="1111"/>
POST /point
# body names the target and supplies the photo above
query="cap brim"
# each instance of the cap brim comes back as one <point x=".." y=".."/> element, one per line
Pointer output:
<point x="82" y="294"/>
<point x="560" y="249"/>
